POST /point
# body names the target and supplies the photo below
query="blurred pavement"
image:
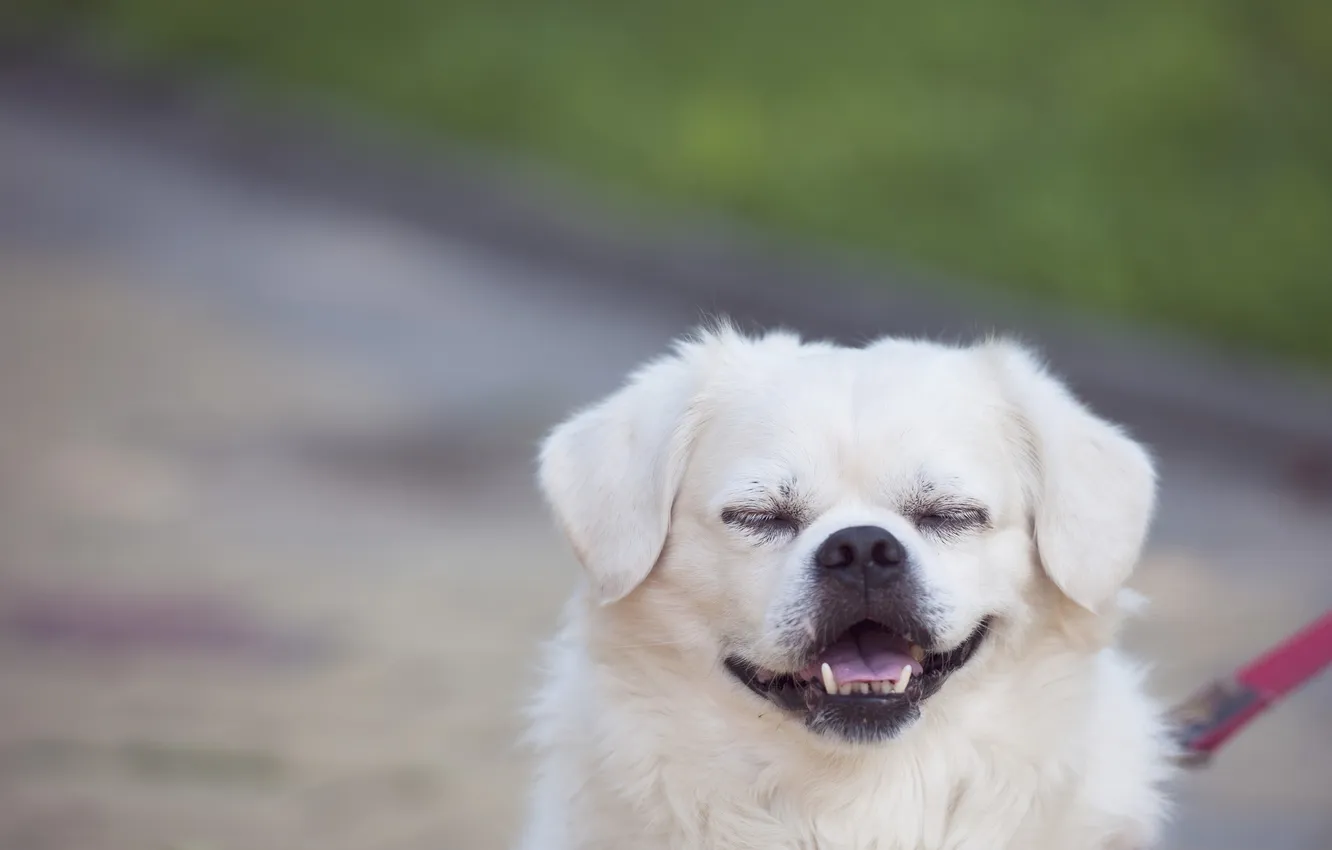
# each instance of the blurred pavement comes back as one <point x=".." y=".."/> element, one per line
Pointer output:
<point x="273" y="567"/>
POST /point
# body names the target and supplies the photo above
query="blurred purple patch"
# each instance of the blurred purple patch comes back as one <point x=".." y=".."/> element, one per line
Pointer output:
<point x="122" y="623"/>
<point x="1309" y="471"/>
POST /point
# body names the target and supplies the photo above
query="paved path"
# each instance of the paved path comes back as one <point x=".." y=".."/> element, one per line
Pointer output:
<point x="273" y="569"/>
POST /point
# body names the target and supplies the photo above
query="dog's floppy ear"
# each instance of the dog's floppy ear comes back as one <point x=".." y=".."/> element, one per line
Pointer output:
<point x="611" y="473"/>
<point x="1092" y="488"/>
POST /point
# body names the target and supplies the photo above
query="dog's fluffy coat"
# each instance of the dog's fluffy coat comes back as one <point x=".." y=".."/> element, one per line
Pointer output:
<point x="1044" y="741"/>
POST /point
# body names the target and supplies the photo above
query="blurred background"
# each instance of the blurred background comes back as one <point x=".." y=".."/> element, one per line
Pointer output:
<point x="288" y="292"/>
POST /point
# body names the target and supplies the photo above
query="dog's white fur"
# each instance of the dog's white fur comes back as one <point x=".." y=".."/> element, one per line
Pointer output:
<point x="1044" y="741"/>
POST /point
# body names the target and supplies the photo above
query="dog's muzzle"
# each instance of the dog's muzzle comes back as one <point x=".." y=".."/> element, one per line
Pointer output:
<point x="872" y="656"/>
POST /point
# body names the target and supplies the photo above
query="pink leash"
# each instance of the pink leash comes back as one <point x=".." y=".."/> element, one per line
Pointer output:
<point x="1216" y="713"/>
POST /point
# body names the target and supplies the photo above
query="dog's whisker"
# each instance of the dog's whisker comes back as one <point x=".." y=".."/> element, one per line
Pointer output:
<point x="648" y="645"/>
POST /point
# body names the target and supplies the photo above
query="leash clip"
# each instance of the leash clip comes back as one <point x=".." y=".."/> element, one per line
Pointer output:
<point x="1210" y="716"/>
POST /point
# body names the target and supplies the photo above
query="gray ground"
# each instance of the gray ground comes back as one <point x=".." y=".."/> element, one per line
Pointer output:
<point x="272" y="566"/>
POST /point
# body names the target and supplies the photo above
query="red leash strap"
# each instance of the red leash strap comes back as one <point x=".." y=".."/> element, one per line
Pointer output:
<point x="1212" y="716"/>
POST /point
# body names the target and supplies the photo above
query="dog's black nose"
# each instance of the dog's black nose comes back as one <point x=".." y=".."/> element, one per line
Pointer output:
<point x="863" y="552"/>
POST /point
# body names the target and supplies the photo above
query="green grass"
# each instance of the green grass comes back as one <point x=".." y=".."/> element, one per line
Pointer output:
<point x="1165" y="162"/>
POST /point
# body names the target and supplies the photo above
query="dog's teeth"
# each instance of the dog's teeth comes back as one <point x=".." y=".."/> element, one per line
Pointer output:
<point x="917" y="652"/>
<point x="883" y="686"/>
<point x="864" y="688"/>
<point x="904" y="681"/>
<point x="829" y="682"/>
<point x="845" y="690"/>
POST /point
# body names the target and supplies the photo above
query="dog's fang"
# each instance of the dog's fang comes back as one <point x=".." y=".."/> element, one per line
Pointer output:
<point x="904" y="681"/>
<point x="917" y="652"/>
<point x="829" y="682"/>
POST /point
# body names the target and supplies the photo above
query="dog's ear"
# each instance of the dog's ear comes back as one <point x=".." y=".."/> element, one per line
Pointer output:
<point x="1091" y="487"/>
<point x="611" y="473"/>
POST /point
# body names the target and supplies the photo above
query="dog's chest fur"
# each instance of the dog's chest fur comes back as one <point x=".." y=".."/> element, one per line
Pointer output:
<point x="884" y="806"/>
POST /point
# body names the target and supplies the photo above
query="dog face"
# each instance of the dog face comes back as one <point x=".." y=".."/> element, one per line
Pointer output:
<point x="847" y="527"/>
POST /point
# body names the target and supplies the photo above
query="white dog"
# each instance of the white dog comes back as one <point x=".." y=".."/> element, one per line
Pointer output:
<point x="846" y="598"/>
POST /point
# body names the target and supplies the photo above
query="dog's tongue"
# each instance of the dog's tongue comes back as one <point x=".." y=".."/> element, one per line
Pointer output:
<point x="865" y="656"/>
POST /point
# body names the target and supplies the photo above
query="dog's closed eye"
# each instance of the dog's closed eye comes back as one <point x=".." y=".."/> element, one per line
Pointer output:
<point x="769" y="522"/>
<point x="946" y="519"/>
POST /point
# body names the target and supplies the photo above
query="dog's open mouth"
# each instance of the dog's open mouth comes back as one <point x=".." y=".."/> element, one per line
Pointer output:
<point x="866" y="684"/>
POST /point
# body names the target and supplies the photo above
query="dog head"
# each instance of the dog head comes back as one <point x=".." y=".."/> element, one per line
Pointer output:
<point x="840" y="529"/>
